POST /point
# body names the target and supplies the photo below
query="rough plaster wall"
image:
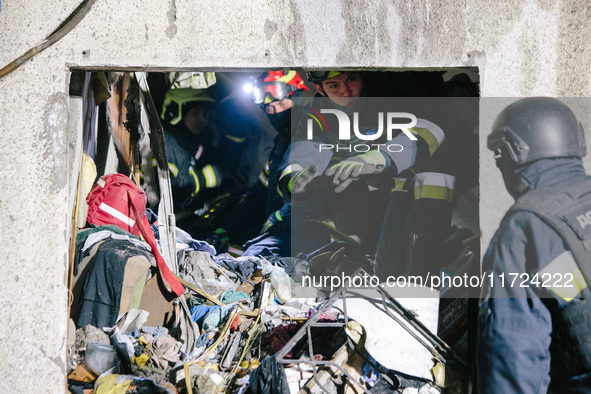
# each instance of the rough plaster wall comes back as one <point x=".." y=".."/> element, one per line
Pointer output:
<point x="533" y="48"/>
<point x="34" y="232"/>
<point x="521" y="49"/>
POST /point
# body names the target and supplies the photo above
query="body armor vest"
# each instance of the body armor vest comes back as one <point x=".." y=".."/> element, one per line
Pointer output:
<point x="567" y="210"/>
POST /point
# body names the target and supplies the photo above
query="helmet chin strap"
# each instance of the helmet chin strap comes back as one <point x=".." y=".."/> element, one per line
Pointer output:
<point x="516" y="182"/>
<point x="520" y="187"/>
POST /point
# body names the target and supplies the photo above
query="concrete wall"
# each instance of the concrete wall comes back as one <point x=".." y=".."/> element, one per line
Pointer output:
<point x="522" y="48"/>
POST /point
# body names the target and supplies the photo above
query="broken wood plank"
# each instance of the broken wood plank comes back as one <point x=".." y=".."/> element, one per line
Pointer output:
<point x="197" y="290"/>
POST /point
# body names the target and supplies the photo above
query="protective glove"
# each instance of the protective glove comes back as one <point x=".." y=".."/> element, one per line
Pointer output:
<point x="272" y="220"/>
<point x="220" y="240"/>
<point x="300" y="180"/>
<point x="351" y="168"/>
<point x="296" y="182"/>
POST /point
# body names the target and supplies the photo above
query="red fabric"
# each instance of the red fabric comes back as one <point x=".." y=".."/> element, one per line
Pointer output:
<point x="235" y="323"/>
<point x="279" y="336"/>
<point x="118" y="193"/>
<point x="169" y="278"/>
<point x="116" y="199"/>
<point x="281" y="76"/>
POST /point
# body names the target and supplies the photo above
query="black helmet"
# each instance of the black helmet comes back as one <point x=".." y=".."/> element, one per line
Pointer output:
<point x="536" y="128"/>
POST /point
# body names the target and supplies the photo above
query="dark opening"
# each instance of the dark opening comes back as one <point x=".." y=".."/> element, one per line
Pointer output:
<point x="231" y="141"/>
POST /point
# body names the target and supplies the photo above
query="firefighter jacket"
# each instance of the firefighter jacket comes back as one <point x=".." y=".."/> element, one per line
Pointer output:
<point x="192" y="165"/>
<point x="263" y="199"/>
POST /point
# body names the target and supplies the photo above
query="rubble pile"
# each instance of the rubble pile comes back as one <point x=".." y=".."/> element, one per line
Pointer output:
<point x="244" y="325"/>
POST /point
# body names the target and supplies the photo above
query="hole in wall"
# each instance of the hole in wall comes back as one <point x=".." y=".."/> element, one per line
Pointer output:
<point x="237" y="136"/>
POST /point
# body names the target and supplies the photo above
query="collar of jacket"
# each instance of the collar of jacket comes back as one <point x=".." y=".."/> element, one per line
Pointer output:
<point x="546" y="173"/>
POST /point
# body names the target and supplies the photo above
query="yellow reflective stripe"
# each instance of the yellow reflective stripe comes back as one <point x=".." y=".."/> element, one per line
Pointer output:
<point x="435" y="179"/>
<point x="265" y="174"/>
<point x="287" y="77"/>
<point x="429" y="138"/>
<point x="173" y="169"/>
<point x="399" y="184"/>
<point x="578" y="282"/>
<point x="434" y="192"/>
<point x="263" y="179"/>
<point x="238" y="140"/>
<point x="268" y="99"/>
<point x="210" y="178"/>
<point x="196" y="178"/>
<point x="434" y="185"/>
<point x="433" y="129"/>
<point x="564" y="276"/>
<point x="278" y="216"/>
<point x="154" y="162"/>
<point x="289" y="169"/>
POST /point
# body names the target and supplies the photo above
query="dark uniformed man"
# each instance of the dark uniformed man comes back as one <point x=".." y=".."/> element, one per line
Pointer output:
<point x="534" y="332"/>
<point x="203" y="159"/>
<point x="278" y="94"/>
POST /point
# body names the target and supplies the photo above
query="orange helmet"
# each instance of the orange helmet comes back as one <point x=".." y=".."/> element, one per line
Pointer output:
<point x="277" y="85"/>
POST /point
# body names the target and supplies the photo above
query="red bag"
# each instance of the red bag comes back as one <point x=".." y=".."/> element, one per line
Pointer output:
<point x="116" y="199"/>
<point x="110" y="199"/>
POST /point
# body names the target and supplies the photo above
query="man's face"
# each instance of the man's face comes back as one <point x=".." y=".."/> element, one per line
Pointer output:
<point x="343" y="90"/>
<point x="196" y="119"/>
<point x="278" y="106"/>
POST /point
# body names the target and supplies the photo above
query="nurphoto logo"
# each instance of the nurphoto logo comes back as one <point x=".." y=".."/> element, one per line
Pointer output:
<point x="346" y="128"/>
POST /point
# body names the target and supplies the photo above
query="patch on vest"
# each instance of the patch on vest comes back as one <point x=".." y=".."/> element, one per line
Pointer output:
<point x="584" y="220"/>
<point x="579" y="219"/>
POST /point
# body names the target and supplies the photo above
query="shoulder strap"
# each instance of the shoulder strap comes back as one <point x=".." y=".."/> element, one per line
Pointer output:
<point x="567" y="210"/>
